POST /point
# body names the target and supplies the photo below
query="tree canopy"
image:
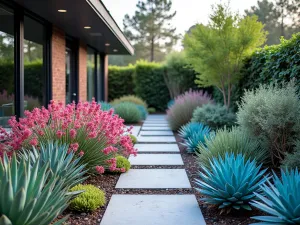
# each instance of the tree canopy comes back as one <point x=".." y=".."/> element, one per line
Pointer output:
<point x="150" y="29"/>
<point x="216" y="51"/>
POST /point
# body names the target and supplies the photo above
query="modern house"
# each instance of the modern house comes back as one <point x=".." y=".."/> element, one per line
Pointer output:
<point x="55" y="49"/>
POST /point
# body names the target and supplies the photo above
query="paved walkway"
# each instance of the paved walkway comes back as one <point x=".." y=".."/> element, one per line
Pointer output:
<point x="157" y="140"/>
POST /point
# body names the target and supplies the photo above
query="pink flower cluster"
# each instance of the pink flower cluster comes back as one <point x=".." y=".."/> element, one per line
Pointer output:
<point x="64" y="122"/>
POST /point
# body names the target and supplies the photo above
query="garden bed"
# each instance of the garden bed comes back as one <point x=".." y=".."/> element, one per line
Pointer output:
<point x="211" y="214"/>
<point x="105" y="182"/>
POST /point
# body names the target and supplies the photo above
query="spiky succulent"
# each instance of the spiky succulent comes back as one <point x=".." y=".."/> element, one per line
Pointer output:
<point x="105" y="106"/>
<point x="61" y="163"/>
<point x="230" y="183"/>
<point x="187" y="130"/>
<point x="143" y="111"/>
<point x="280" y="199"/>
<point x="28" y="196"/>
<point x="193" y="134"/>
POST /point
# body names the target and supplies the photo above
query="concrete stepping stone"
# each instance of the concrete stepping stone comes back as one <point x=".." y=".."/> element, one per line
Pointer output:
<point x="154" y="179"/>
<point x="156" y="139"/>
<point x="157" y="148"/>
<point x="155" y="121"/>
<point x="156" y="125"/>
<point x="135" y="130"/>
<point x="156" y="159"/>
<point x="153" y="210"/>
<point x="156" y="128"/>
<point x="157" y="133"/>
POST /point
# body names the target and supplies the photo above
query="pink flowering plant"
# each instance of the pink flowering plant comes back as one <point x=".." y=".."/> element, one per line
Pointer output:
<point x="95" y="135"/>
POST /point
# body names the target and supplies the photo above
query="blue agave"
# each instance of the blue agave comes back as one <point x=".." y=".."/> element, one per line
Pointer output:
<point x="281" y="200"/>
<point x="105" y="106"/>
<point x="171" y="103"/>
<point x="143" y="111"/>
<point x="231" y="182"/>
<point x="189" y="129"/>
<point x="193" y="134"/>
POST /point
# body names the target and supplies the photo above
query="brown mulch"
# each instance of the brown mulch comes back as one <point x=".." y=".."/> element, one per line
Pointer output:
<point x="107" y="182"/>
<point x="211" y="214"/>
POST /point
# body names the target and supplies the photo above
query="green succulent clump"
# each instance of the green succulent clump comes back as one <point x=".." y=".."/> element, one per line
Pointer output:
<point x="231" y="182"/>
<point x="129" y="112"/>
<point x="133" y="138"/>
<point x="122" y="162"/>
<point x="91" y="199"/>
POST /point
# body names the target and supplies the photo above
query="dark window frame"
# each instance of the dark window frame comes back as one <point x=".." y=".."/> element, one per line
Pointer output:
<point x="19" y="13"/>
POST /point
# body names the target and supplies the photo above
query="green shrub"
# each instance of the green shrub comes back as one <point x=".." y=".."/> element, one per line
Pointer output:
<point x="271" y="114"/>
<point x="233" y="141"/>
<point x="214" y="116"/>
<point x="292" y="160"/>
<point x="120" y="81"/>
<point x="150" y="85"/>
<point x="129" y="112"/>
<point x="123" y="163"/>
<point x="151" y="110"/>
<point x="231" y="182"/>
<point x="133" y="138"/>
<point x="91" y="199"/>
<point x="181" y="112"/>
<point x="274" y="63"/>
<point x="28" y="195"/>
<point x="130" y="98"/>
<point x="179" y="75"/>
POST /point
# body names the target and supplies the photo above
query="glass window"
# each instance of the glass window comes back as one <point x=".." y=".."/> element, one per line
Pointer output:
<point x="91" y="75"/>
<point x="6" y="65"/>
<point x="34" y="73"/>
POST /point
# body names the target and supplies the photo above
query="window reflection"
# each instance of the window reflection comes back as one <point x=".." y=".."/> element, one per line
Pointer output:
<point x="6" y="65"/>
<point x="34" y="76"/>
<point x="91" y="75"/>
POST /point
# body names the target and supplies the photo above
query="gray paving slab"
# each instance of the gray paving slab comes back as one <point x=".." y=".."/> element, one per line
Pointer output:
<point x="135" y="130"/>
<point x="155" y="121"/>
<point x="156" y="128"/>
<point x="156" y="125"/>
<point x="154" y="179"/>
<point x="153" y="210"/>
<point x="156" y="159"/>
<point x="157" y="148"/>
<point x="156" y="139"/>
<point x="157" y="133"/>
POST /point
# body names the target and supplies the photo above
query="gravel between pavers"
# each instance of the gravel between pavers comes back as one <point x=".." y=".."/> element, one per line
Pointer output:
<point x="107" y="182"/>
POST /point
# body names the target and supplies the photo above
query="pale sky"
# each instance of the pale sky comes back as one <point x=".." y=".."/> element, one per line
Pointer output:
<point x="189" y="12"/>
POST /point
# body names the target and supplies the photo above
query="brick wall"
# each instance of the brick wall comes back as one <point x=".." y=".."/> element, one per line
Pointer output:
<point x="82" y="72"/>
<point x="58" y="65"/>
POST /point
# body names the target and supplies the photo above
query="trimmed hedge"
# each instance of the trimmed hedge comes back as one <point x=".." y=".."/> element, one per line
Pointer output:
<point x="120" y="81"/>
<point x="150" y="85"/>
<point x="274" y="63"/>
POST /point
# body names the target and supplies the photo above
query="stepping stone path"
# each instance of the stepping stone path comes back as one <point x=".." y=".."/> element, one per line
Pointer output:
<point x="156" y="147"/>
<point x="156" y="133"/>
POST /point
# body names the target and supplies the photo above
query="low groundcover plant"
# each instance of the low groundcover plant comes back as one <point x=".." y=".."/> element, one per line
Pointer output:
<point x="90" y="132"/>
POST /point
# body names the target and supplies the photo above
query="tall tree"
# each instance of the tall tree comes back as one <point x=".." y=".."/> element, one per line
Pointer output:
<point x="281" y="18"/>
<point x="217" y="51"/>
<point x="150" y="28"/>
<point x="268" y="14"/>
